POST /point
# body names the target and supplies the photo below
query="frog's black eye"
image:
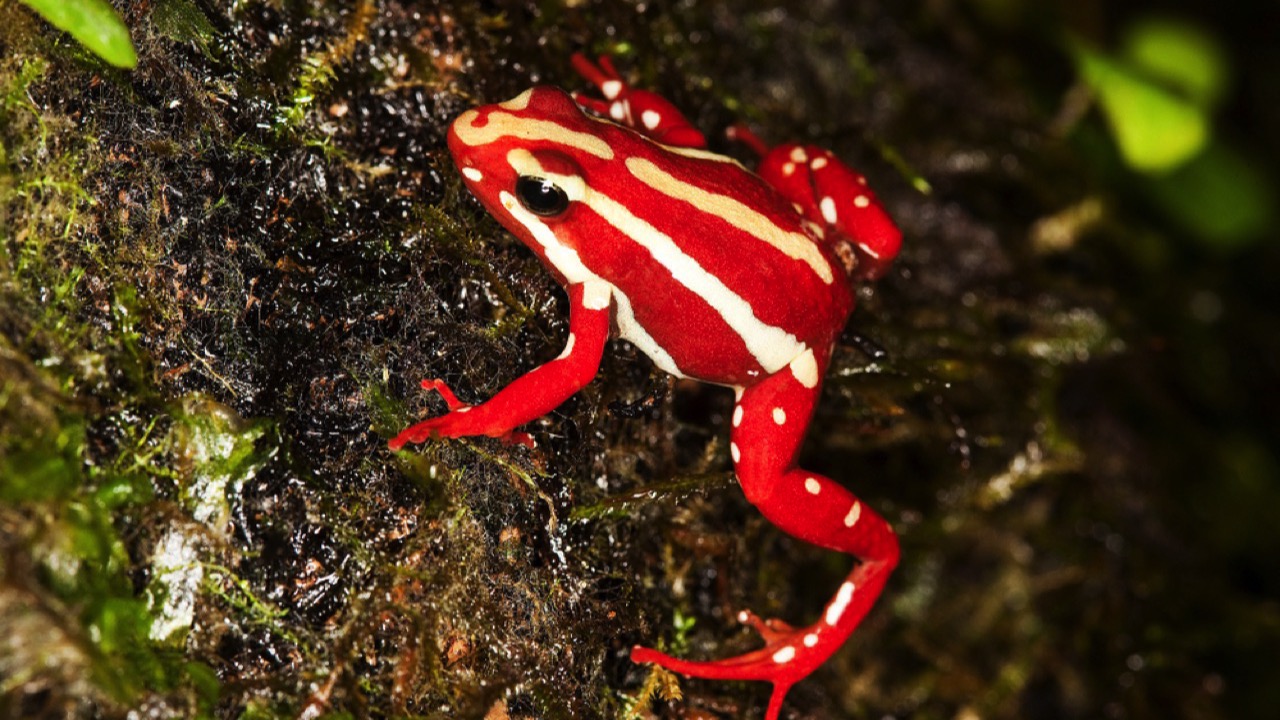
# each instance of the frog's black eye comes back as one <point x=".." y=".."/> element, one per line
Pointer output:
<point x="541" y="196"/>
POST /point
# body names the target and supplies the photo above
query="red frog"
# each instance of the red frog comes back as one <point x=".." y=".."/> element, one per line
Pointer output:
<point x="718" y="274"/>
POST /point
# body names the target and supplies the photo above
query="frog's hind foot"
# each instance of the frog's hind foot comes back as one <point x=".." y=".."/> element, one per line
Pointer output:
<point x="788" y="656"/>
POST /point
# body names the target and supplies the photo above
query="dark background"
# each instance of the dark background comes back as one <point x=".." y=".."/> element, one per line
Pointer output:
<point x="223" y="273"/>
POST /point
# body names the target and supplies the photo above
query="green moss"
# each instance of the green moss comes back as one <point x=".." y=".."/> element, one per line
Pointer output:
<point x="65" y="382"/>
<point x="182" y="21"/>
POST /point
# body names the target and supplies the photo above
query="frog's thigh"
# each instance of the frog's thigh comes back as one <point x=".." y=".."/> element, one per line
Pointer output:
<point x="769" y="425"/>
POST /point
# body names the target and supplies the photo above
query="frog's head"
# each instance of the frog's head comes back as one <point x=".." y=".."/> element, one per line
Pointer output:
<point x="527" y="159"/>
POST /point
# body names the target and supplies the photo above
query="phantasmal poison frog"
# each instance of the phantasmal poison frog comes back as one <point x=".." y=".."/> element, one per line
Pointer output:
<point x="716" y="273"/>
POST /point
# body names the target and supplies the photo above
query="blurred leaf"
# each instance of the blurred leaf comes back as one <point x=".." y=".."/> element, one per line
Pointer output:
<point x="1155" y="129"/>
<point x="1219" y="197"/>
<point x="1180" y="55"/>
<point x="94" y="24"/>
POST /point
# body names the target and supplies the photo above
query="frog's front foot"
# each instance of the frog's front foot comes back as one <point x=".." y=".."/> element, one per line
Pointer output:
<point x="788" y="656"/>
<point x="455" y="423"/>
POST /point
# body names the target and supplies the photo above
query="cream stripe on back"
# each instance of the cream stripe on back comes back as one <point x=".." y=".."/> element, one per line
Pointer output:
<point x="733" y="211"/>
<point x="771" y="346"/>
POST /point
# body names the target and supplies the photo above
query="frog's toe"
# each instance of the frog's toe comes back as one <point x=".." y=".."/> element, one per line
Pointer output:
<point x="762" y="664"/>
<point x="412" y="435"/>
<point x="788" y="656"/>
<point x="518" y="438"/>
<point x="439" y="386"/>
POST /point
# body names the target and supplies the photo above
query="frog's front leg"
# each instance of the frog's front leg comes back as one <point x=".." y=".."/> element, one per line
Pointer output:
<point x="769" y="423"/>
<point x="538" y="391"/>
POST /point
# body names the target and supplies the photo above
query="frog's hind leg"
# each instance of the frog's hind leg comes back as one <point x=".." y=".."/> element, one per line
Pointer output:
<point x="769" y="423"/>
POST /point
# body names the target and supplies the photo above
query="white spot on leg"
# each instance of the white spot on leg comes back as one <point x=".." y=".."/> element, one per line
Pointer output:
<point x="805" y="369"/>
<point x="651" y="119"/>
<point x="737" y="416"/>
<point x="779" y="415"/>
<point x="734" y="452"/>
<point x="742" y="616"/>
<point x="855" y="512"/>
<point x="828" y="207"/>
<point x="839" y="603"/>
<point x="861" y="201"/>
<point x="611" y="88"/>
<point x="811" y="639"/>
<point x="618" y="111"/>
<point x="813" y="486"/>
<point x="472" y="174"/>
<point x="785" y="655"/>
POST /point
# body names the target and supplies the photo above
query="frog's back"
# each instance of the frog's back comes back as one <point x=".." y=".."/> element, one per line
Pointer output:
<point x="717" y="268"/>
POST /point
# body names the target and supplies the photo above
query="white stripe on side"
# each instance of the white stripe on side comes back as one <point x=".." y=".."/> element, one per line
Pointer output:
<point x="631" y="330"/>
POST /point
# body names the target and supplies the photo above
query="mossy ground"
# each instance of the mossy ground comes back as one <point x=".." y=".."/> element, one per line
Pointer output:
<point x="222" y="275"/>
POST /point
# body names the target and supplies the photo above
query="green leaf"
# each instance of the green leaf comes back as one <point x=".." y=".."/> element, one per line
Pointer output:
<point x="1156" y="129"/>
<point x="1181" y="56"/>
<point x="94" y="24"/>
<point x="1221" y="197"/>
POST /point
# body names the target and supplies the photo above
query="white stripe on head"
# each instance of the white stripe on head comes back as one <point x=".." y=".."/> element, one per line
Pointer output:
<point x="698" y="153"/>
<point x="564" y="259"/>
<point x="524" y="163"/>
<point x="519" y="102"/>
<point x="502" y="125"/>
